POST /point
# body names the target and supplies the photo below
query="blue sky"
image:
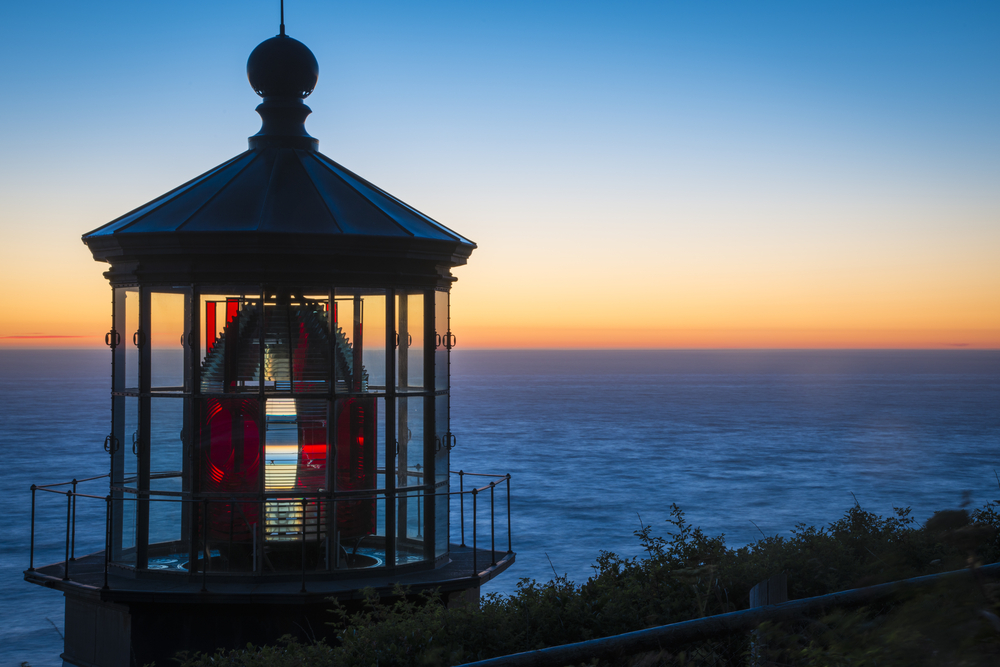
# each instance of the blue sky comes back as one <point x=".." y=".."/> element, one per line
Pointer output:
<point x="710" y="152"/>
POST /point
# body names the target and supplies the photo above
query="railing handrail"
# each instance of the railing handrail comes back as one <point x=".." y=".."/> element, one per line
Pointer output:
<point x="152" y="495"/>
<point x="74" y="481"/>
<point x="475" y="474"/>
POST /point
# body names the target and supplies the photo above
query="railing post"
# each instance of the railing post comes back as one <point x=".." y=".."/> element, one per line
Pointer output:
<point x="461" y="502"/>
<point x="232" y="518"/>
<point x="336" y="535"/>
<point x="303" y="590"/>
<point x="31" y="557"/>
<point x="107" y="537"/>
<point x="773" y="590"/>
<point x="72" y="543"/>
<point x="510" y="544"/>
<point x="69" y="514"/>
<point x="204" y="545"/>
<point x="493" y="535"/>
<point x="475" y="570"/>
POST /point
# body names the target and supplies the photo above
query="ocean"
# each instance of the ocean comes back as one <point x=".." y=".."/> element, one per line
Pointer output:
<point x="745" y="442"/>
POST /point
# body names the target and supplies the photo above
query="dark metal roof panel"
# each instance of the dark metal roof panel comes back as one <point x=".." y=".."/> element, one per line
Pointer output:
<point x="292" y="204"/>
<point x="355" y="213"/>
<point x="168" y="211"/>
<point x="281" y="190"/>
<point x="412" y="220"/>
<point x="234" y="206"/>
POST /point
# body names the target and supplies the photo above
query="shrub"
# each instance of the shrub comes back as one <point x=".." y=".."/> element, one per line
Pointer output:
<point x="687" y="574"/>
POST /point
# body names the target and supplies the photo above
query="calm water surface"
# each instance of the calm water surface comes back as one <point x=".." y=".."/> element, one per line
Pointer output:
<point x="593" y="440"/>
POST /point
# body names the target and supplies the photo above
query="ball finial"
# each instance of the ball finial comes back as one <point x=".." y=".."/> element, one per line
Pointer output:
<point x="282" y="67"/>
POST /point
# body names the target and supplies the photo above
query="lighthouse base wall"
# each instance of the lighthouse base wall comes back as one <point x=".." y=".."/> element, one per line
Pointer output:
<point x="114" y="634"/>
<point x="106" y="634"/>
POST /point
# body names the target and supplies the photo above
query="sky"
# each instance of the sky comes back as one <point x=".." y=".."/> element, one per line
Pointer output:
<point x="636" y="175"/>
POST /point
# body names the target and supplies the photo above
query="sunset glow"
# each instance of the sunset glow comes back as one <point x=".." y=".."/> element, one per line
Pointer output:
<point x="789" y="176"/>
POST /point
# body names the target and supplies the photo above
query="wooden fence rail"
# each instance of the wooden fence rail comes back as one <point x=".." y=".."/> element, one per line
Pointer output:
<point x="665" y="636"/>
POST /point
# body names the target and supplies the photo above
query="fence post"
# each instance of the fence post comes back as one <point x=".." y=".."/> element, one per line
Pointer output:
<point x="773" y="590"/>
<point x="31" y="557"/>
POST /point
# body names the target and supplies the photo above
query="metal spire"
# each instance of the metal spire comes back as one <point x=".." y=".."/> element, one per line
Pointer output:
<point x="282" y="17"/>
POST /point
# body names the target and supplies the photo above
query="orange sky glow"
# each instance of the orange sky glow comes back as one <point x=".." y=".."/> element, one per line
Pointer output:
<point x="820" y="181"/>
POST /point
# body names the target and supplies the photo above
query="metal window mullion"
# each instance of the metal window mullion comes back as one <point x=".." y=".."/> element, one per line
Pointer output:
<point x="402" y="418"/>
<point x="331" y="444"/>
<point x="145" y="376"/>
<point x="117" y="465"/>
<point x="260" y="529"/>
<point x="187" y="432"/>
<point x="430" y="428"/>
<point x="390" y="428"/>
<point x="193" y="415"/>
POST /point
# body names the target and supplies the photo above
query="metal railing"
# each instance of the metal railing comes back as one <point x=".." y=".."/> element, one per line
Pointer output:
<point x="315" y="505"/>
<point x="475" y="495"/>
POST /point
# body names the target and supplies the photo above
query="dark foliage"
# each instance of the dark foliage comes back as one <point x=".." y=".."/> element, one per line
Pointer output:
<point x="687" y="574"/>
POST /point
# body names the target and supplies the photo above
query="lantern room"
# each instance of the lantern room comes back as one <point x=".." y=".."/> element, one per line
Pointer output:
<point x="298" y="414"/>
<point x="280" y="348"/>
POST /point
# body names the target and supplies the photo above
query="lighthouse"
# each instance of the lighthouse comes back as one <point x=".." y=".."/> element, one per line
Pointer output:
<point x="280" y="433"/>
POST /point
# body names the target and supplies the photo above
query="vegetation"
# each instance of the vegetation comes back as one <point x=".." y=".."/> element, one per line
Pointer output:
<point x="687" y="574"/>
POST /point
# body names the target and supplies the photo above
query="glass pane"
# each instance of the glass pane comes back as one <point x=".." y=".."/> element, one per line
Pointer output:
<point x="410" y="472"/>
<point x="167" y="332"/>
<point x="230" y="347"/>
<point x="360" y="332"/>
<point x="410" y="541"/>
<point x="442" y="447"/>
<point x="441" y="520"/>
<point x="342" y="319"/>
<point x="410" y="439"/>
<point x="166" y="463"/>
<point x="442" y="340"/>
<point x="129" y="339"/>
<point x="296" y="462"/>
<point x="310" y="346"/>
<point x="232" y="525"/>
<point x="356" y="436"/>
<point x="119" y="326"/>
<point x="128" y="528"/>
<point x="296" y="343"/>
<point x="374" y="334"/>
<point x="442" y="439"/>
<point x="131" y="441"/>
<point x="294" y="525"/>
<point x="410" y="347"/>
<point x="127" y="507"/>
<point x="228" y="451"/>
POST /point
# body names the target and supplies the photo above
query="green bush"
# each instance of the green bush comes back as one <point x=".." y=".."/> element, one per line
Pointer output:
<point x="686" y="574"/>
